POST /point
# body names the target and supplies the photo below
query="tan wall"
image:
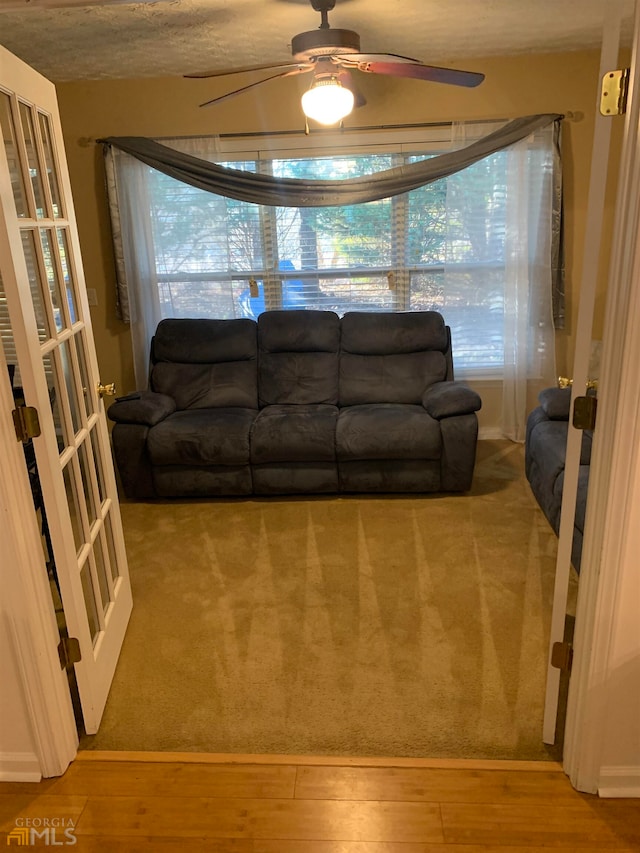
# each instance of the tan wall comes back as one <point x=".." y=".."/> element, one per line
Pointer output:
<point x="514" y="86"/>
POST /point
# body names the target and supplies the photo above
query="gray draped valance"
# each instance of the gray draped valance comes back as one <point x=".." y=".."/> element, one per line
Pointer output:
<point x="294" y="192"/>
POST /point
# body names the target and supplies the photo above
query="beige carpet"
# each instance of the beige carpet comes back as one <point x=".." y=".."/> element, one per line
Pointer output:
<point x="388" y="626"/>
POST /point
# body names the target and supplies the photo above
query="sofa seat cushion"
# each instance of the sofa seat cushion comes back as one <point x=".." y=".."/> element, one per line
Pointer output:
<point x="294" y="434"/>
<point x="202" y="437"/>
<point x="387" y="431"/>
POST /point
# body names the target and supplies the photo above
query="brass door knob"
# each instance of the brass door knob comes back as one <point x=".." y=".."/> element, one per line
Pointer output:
<point x="107" y="390"/>
<point x="565" y="382"/>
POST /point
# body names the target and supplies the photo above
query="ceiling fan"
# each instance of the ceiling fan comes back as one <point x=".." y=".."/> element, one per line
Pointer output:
<point x="332" y="54"/>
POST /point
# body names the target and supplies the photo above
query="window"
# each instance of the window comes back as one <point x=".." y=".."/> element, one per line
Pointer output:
<point x="475" y="245"/>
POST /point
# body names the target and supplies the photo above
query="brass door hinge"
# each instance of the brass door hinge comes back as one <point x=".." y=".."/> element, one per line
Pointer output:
<point x="584" y="412"/>
<point x="562" y="656"/>
<point x="613" y="96"/>
<point x="26" y="423"/>
<point x="69" y="652"/>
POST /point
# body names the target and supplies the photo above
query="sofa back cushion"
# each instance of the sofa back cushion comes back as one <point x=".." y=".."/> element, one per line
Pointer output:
<point x="392" y="357"/>
<point x="298" y="357"/>
<point x="205" y="364"/>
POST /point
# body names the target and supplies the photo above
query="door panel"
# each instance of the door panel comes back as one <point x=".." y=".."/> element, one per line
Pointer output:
<point x="46" y="315"/>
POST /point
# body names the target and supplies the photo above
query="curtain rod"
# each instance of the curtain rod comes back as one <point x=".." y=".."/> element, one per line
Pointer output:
<point x="320" y="131"/>
<point x="85" y="141"/>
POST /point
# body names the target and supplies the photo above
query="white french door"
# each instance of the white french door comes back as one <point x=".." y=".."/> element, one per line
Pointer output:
<point x="46" y="330"/>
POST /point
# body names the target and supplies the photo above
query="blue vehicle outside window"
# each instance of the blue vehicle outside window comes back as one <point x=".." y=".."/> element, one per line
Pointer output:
<point x="293" y="295"/>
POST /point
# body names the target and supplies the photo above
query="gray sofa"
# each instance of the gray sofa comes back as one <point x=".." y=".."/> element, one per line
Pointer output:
<point x="299" y="402"/>
<point x="545" y="450"/>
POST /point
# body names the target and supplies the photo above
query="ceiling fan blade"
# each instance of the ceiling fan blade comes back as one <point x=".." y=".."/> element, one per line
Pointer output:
<point x="302" y="66"/>
<point x="418" y="71"/>
<point x="218" y="100"/>
<point x="377" y="57"/>
<point x="13" y="5"/>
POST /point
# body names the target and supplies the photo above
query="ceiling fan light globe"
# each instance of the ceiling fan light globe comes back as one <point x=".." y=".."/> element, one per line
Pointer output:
<point x="327" y="101"/>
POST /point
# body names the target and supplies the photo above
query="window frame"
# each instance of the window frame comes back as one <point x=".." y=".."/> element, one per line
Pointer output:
<point x="263" y="149"/>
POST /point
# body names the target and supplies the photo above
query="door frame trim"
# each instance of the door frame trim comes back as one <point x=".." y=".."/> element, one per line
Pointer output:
<point x="613" y="468"/>
<point x="50" y="711"/>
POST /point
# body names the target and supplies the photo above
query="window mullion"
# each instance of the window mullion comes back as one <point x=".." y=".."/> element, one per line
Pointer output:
<point x="269" y="233"/>
<point x="399" y="248"/>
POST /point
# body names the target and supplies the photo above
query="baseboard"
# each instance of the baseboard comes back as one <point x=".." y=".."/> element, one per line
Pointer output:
<point x="486" y="433"/>
<point x="19" y="767"/>
<point x="620" y="781"/>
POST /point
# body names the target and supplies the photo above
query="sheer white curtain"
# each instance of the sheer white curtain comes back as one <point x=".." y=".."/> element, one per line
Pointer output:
<point x="135" y="246"/>
<point x="529" y="340"/>
<point x="127" y="182"/>
<point x="512" y="247"/>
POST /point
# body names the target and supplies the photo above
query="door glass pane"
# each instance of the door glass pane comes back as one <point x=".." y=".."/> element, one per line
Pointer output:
<point x="86" y="465"/>
<point x="35" y="172"/>
<point x="63" y="251"/>
<point x="102" y="491"/>
<point x="101" y="572"/>
<point x="74" y="508"/>
<point x="54" y="396"/>
<point x="90" y="601"/>
<point x="9" y="136"/>
<point x="53" y="280"/>
<point x="8" y="343"/>
<point x="45" y="132"/>
<point x="67" y="372"/>
<point x="35" y="284"/>
<point x="84" y="374"/>
<point x="113" y="562"/>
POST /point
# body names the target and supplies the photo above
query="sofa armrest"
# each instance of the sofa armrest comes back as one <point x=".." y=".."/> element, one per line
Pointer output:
<point x="451" y="398"/>
<point x="556" y="403"/>
<point x="148" y="409"/>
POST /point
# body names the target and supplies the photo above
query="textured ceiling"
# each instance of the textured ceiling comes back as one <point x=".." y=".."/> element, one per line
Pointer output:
<point x="173" y="37"/>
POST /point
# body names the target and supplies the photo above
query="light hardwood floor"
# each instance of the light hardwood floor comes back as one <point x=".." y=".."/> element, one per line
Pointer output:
<point x="286" y="804"/>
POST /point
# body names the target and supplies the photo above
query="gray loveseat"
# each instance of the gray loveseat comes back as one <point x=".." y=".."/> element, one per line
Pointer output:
<point x="545" y="451"/>
<point x="299" y="402"/>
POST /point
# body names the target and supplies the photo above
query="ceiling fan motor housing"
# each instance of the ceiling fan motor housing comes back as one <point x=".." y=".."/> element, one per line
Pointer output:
<point x="324" y="42"/>
<point x="323" y="5"/>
